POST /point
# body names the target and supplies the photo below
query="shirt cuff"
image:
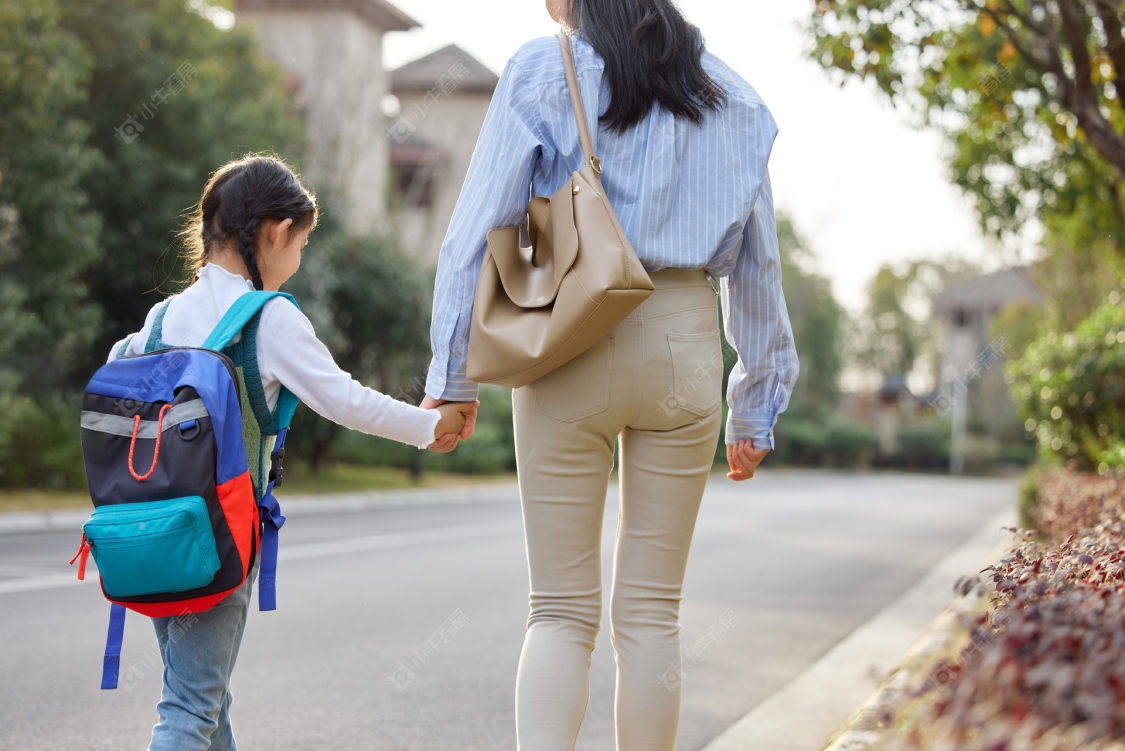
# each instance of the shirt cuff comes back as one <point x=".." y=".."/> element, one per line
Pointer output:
<point x="758" y="429"/>
<point x="429" y="426"/>
<point x="451" y="388"/>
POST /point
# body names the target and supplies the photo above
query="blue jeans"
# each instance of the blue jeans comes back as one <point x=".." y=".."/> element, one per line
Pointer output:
<point x="199" y="651"/>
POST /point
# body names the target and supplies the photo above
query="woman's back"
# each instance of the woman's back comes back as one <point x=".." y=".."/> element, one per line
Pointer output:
<point x="682" y="191"/>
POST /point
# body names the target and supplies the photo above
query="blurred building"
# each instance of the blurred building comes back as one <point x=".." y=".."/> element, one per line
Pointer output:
<point x="332" y="52"/>
<point x="972" y="390"/>
<point x="442" y="100"/>
<point x="401" y="173"/>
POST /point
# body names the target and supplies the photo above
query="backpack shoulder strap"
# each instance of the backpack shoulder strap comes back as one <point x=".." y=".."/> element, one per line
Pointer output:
<point x="238" y="315"/>
<point x="242" y="312"/>
<point x="154" y="341"/>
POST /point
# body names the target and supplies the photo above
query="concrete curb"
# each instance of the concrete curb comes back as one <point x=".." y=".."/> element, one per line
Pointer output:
<point x="71" y="520"/>
<point x="808" y="712"/>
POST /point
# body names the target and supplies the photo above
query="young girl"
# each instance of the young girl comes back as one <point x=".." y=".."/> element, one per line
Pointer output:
<point x="247" y="233"/>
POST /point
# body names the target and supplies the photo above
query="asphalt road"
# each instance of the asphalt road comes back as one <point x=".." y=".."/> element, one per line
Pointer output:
<point x="400" y="628"/>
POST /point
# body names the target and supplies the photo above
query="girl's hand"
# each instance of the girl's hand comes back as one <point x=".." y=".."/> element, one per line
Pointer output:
<point x="446" y="441"/>
<point x="743" y="459"/>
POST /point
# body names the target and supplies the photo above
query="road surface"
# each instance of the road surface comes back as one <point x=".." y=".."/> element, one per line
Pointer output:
<point x="399" y="628"/>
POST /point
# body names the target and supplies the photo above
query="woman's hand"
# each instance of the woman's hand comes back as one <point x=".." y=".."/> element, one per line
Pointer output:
<point x="743" y="459"/>
<point x="447" y="443"/>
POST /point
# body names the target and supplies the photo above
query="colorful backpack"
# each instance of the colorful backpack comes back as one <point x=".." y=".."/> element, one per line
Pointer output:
<point x="182" y="456"/>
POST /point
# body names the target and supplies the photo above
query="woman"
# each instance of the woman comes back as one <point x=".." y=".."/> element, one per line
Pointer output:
<point x="684" y="143"/>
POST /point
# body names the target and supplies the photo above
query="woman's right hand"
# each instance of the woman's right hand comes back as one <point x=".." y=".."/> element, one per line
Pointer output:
<point x="743" y="459"/>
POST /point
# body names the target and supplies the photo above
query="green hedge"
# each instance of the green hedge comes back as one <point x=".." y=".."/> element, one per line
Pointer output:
<point x="491" y="449"/>
<point x="1070" y="391"/>
<point x="834" y="441"/>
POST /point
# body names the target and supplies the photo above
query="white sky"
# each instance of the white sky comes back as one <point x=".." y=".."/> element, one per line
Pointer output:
<point x="861" y="185"/>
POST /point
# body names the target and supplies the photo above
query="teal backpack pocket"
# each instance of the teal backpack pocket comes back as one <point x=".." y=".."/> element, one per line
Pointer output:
<point x="151" y="547"/>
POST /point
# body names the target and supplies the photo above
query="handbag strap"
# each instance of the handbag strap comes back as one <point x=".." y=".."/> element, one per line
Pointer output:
<point x="576" y="102"/>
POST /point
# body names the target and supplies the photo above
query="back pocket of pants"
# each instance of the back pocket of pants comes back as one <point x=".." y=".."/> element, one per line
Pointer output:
<point x="579" y="388"/>
<point x="697" y="371"/>
<point x="153" y="547"/>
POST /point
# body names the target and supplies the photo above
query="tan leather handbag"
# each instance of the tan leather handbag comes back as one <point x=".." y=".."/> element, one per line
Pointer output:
<point x="537" y="308"/>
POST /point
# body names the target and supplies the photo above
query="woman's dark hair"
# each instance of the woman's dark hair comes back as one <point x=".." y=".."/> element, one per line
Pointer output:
<point x="651" y="55"/>
<point x="237" y="197"/>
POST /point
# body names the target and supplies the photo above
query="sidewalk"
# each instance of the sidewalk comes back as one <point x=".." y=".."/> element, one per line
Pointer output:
<point x="804" y="715"/>
<point x="71" y="520"/>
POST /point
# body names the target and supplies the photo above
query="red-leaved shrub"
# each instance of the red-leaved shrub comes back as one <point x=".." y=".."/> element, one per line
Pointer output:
<point x="1043" y="666"/>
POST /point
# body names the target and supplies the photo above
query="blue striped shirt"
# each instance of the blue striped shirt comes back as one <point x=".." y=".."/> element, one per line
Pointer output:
<point x="687" y="195"/>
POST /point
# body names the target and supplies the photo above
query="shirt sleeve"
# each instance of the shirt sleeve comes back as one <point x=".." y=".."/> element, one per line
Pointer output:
<point x="290" y="353"/>
<point x="495" y="194"/>
<point x="758" y="327"/>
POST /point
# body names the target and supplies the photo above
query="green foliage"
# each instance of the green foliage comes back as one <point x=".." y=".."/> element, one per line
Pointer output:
<point x="1070" y="390"/>
<point x="202" y="96"/>
<point x="849" y="443"/>
<point x="370" y="305"/>
<point x="818" y="322"/>
<point x="39" y="442"/>
<point x="1027" y="502"/>
<point x="492" y="447"/>
<point x="894" y="332"/>
<point x="48" y="234"/>
<point x="1028" y="95"/>
<point x="48" y="242"/>
<point x="834" y="442"/>
<point x="923" y="445"/>
<point x="84" y="210"/>
<point x="490" y="450"/>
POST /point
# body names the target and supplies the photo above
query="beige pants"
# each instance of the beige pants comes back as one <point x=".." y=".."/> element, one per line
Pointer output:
<point x="654" y="382"/>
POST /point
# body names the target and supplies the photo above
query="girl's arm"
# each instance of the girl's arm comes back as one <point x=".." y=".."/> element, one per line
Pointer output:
<point x="290" y="353"/>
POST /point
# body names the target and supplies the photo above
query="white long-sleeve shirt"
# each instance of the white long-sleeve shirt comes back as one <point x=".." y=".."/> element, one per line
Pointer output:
<point x="290" y="355"/>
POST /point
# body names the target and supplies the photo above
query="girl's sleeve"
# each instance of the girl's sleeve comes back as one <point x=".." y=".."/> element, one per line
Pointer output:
<point x="290" y="352"/>
<point x="495" y="194"/>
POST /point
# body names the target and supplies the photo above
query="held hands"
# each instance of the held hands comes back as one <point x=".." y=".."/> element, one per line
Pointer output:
<point x="456" y="422"/>
<point x="743" y="459"/>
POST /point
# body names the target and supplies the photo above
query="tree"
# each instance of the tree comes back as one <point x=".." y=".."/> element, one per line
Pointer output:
<point x="895" y="332"/>
<point x="371" y="307"/>
<point x="112" y="115"/>
<point x="173" y="98"/>
<point x="1029" y="94"/>
<point x="48" y="238"/>
<point x="818" y="325"/>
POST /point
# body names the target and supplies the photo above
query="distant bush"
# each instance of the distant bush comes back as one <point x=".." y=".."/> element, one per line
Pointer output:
<point x="492" y="447"/>
<point x="835" y="441"/>
<point x="799" y="441"/>
<point x="848" y="443"/>
<point x="923" y="445"/>
<point x="1070" y="390"/>
<point x="39" y="442"/>
<point x="490" y="450"/>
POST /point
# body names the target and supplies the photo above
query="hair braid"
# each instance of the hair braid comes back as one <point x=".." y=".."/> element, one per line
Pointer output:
<point x="248" y="248"/>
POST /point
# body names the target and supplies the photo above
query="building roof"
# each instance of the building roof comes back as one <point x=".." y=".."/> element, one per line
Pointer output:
<point x="989" y="291"/>
<point x="377" y="12"/>
<point x="450" y="66"/>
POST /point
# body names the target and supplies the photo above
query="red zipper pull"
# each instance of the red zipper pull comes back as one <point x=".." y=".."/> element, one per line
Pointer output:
<point x="83" y="553"/>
